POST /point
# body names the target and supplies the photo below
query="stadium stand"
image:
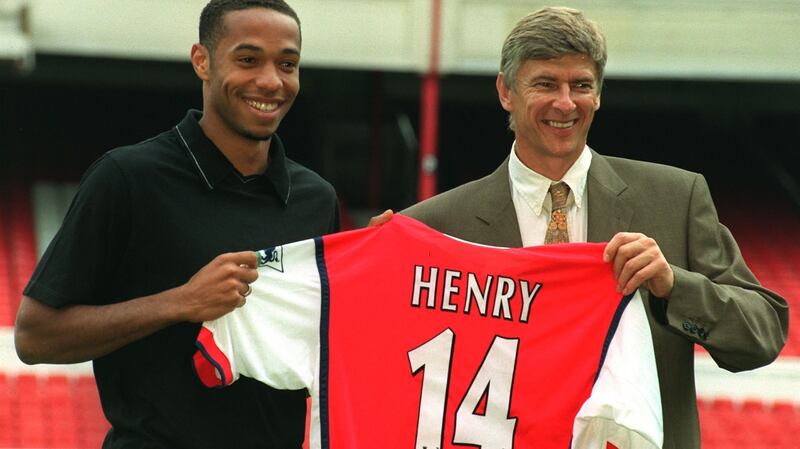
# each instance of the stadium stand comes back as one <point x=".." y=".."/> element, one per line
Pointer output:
<point x="6" y="308"/>
<point x="6" y="412"/>
<point x="19" y="245"/>
<point x="53" y="411"/>
<point x="750" y="424"/>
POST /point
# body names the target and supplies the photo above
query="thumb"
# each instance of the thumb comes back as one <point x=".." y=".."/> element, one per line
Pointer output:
<point x="245" y="258"/>
<point x="381" y="219"/>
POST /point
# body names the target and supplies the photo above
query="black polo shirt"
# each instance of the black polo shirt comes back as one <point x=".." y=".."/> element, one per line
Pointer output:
<point x="145" y="219"/>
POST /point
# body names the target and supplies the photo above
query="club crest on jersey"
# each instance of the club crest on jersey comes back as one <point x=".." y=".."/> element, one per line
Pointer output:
<point x="272" y="258"/>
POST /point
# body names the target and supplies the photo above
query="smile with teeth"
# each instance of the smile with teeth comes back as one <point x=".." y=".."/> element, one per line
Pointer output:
<point x="263" y="107"/>
<point x="561" y="125"/>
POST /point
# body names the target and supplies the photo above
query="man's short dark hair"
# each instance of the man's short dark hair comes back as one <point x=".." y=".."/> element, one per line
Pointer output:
<point x="211" y="19"/>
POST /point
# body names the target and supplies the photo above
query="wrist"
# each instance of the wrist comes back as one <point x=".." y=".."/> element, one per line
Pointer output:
<point x="170" y="305"/>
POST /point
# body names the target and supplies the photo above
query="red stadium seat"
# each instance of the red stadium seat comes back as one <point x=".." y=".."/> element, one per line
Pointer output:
<point x="7" y="309"/>
<point x="727" y="424"/>
<point x="30" y="412"/>
<point x="6" y="412"/>
<point x="60" y="408"/>
<point x="21" y="240"/>
<point x="55" y="411"/>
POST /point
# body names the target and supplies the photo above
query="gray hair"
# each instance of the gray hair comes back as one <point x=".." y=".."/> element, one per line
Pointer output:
<point x="550" y="33"/>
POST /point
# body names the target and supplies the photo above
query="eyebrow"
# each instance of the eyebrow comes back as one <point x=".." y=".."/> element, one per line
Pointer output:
<point x="256" y="48"/>
<point x="585" y="80"/>
<point x="548" y="77"/>
<point x="536" y="79"/>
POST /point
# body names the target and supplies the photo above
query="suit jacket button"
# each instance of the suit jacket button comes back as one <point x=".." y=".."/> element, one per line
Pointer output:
<point x="687" y="326"/>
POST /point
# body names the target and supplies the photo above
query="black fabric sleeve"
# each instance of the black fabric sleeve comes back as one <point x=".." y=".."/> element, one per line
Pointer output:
<point x="82" y="259"/>
<point x="336" y="222"/>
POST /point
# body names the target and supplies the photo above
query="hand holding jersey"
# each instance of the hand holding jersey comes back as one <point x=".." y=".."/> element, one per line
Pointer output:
<point x="217" y="288"/>
<point x="639" y="261"/>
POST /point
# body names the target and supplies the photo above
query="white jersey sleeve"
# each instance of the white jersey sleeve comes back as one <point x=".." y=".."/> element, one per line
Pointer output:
<point x="624" y="380"/>
<point x="274" y="337"/>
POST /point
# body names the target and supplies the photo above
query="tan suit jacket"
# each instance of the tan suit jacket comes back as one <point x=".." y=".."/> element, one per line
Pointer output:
<point x="716" y="301"/>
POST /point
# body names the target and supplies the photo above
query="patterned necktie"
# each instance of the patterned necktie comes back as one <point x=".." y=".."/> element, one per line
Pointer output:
<point x="557" y="231"/>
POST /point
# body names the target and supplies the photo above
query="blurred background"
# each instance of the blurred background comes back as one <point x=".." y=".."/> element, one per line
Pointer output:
<point x="398" y="102"/>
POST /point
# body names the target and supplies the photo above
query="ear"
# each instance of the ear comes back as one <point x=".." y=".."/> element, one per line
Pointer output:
<point x="503" y="92"/>
<point x="200" y="61"/>
<point x="597" y="103"/>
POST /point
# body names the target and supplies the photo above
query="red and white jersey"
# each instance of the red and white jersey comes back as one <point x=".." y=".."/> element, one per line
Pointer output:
<point x="408" y="338"/>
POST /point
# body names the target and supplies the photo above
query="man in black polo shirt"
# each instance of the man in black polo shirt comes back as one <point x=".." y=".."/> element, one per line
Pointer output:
<point x="160" y="236"/>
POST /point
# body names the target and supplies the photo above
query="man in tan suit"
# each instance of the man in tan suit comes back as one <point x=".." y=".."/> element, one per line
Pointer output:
<point x="661" y="224"/>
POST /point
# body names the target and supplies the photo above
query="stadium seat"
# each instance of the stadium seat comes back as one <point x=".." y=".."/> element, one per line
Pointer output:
<point x="92" y="424"/>
<point x="59" y="405"/>
<point x="54" y="411"/>
<point x="31" y="423"/>
<point x="7" y="309"/>
<point x="727" y="424"/>
<point x="21" y="240"/>
<point x="6" y="412"/>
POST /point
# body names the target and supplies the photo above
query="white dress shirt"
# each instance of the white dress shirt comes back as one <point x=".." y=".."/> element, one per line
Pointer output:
<point x="529" y="191"/>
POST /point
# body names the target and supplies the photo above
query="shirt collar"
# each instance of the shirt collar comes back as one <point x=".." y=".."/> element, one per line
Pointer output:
<point x="533" y="187"/>
<point x="213" y="167"/>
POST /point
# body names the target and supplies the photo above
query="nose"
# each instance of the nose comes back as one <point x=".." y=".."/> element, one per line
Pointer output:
<point x="269" y="78"/>
<point x="563" y="101"/>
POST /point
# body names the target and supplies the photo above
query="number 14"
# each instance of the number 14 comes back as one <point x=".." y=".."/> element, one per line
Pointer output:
<point x="493" y="429"/>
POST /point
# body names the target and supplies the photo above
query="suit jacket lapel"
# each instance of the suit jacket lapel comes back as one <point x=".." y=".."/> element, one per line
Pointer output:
<point x="495" y="208"/>
<point x="608" y="214"/>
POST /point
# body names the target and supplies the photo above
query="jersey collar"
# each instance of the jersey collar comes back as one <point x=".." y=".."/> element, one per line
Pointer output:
<point x="213" y="167"/>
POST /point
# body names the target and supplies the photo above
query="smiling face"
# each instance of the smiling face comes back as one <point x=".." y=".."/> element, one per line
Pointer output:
<point x="251" y="78"/>
<point x="553" y="104"/>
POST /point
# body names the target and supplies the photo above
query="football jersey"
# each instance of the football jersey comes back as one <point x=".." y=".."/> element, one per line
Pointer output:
<point x="409" y="338"/>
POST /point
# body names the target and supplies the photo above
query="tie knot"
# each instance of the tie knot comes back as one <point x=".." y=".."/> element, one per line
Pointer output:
<point x="558" y="195"/>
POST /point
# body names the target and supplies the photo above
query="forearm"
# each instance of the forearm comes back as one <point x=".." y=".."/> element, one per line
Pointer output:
<point x="742" y="325"/>
<point x="77" y="333"/>
<point x="73" y="334"/>
<point x="745" y="325"/>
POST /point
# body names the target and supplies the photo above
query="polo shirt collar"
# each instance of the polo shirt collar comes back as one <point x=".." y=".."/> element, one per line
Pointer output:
<point x="213" y="167"/>
<point x="533" y="187"/>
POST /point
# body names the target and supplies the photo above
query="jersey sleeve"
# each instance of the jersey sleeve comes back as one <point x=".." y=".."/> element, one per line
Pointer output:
<point x="624" y="408"/>
<point x="274" y="338"/>
<point x="83" y="257"/>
